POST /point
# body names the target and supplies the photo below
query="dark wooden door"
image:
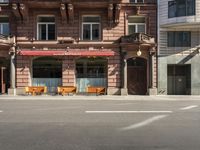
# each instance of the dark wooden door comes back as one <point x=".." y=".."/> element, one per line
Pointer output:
<point x="137" y="76"/>
<point x="3" y="78"/>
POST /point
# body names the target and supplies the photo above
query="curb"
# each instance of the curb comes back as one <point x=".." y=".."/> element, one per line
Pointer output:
<point x="146" y="98"/>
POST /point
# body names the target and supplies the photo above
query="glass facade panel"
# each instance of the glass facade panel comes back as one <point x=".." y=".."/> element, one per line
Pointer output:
<point x="180" y="8"/>
<point x="179" y="39"/>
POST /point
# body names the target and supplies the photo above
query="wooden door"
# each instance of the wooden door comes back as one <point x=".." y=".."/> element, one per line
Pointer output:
<point x="3" y="77"/>
<point x="137" y="77"/>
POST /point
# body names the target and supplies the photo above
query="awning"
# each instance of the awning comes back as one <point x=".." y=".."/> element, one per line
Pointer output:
<point x="66" y="53"/>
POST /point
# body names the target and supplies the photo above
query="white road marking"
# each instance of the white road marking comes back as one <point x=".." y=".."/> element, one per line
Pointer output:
<point x="128" y="112"/>
<point x="189" y="107"/>
<point x="143" y="123"/>
<point x="1" y="111"/>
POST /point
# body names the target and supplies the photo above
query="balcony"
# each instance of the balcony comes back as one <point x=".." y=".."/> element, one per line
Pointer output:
<point x="138" y="38"/>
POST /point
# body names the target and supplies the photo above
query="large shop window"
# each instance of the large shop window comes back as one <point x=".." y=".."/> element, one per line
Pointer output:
<point x="4" y="26"/>
<point x="91" y="28"/>
<point x="179" y="39"/>
<point x="47" y="71"/>
<point x="46" y="28"/>
<point x="180" y="8"/>
<point x="136" y="24"/>
<point x="91" y="72"/>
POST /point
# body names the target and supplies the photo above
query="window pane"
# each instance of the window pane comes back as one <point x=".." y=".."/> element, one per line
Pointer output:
<point x="141" y="29"/>
<point x="46" y="19"/>
<point x="95" y="32"/>
<point x="178" y="39"/>
<point x="4" y="1"/>
<point x="170" y="39"/>
<point x="186" y="39"/>
<point x="91" y="19"/>
<point x="86" y="32"/>
<point x="140" y="1"/>
<point x="171" y="9"/>
<point x="5" y="30"/>
<point x="131" y="29"/>
<point x="132" y="1"/>
<point x="51" y="32"/>
<point x="190" y="7"/>
<point x="42" y="32"/>
<point x="181" y="8"/>
<point x="136" y="19"/>
<point x="4" y="19"/>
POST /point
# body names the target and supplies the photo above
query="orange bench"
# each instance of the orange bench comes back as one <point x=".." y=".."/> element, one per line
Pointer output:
<point x="34" y="90"/>
<point x="66" y="90"/>
<point x="96" y="89"/>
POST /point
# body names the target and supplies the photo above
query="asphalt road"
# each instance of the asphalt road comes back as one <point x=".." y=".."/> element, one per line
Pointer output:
<point x="99" y="125"/>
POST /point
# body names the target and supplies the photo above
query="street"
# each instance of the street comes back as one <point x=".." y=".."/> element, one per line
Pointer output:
<point x="99" y="125"/>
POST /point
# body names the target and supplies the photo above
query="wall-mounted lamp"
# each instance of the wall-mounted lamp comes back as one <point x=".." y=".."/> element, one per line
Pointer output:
<point x="139" y="53"/>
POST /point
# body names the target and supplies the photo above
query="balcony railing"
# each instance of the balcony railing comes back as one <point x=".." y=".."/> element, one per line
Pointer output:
<point x="138" y="38"/>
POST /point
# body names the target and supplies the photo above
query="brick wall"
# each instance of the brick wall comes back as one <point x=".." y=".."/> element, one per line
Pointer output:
<point x="68" y="66"/>
<point x="23" y="65"/>
<point x="114" y="72"/>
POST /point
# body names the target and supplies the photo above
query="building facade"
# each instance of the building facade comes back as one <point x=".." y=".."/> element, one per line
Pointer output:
<point x="109" y="43"/>
<point x="178" y="54"/>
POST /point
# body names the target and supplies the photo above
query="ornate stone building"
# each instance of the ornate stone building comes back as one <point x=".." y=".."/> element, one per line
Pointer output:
<point x="109" y="43"/>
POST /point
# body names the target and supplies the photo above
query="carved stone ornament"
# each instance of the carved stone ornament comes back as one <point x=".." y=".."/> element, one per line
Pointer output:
<point x="138" y="38"/>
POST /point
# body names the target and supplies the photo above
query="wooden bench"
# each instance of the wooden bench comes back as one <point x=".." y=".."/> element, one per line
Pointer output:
<point x="66" y="90"/>
<point x="98" y="90"/>
<point x="34" y="90"/>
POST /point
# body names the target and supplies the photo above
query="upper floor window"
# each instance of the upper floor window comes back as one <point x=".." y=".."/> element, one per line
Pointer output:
<point x="180" y="8"/>
<point x="179" y="39"/>
<point x="4" y="26"/>
<point x="136" y="25"/>
<point x="136" y="1"/>
<point x="4" y="1"/>
<point x="46" y="28"/>
<point x="91" y="28"/>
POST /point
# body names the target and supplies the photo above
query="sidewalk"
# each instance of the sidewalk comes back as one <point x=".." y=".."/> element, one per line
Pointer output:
<point x="104" y="97"/>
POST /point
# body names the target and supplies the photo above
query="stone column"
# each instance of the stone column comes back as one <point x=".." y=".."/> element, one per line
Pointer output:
<point x="12" y="90"/>
<point x="124" y="90"/>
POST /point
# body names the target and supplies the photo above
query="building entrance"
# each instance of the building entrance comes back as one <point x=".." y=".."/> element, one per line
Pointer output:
<point x="137" y="76"/>
<point x="179" y="79"/>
